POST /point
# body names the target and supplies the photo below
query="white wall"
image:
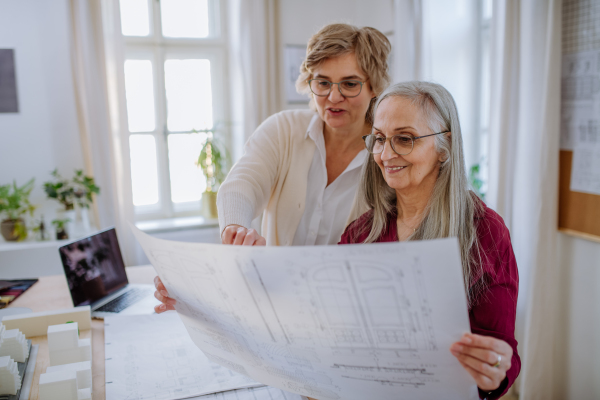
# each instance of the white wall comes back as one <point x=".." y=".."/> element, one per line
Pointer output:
<point x="580" y="261"/>
<point x="44" y="134"/>
<point x="299" y="20"/>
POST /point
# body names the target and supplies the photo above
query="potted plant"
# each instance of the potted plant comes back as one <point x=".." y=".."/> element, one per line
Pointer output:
<point x="61" y="231"/>
<point x="14" y="203"/>
<point x="76" y="195"/>
<point x="213" y="160"/>
<point x="476" y="181"/>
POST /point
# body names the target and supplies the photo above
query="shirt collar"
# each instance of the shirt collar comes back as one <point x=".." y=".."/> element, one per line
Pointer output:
<point x="359" y="160"/>
<point x="315" y="132"/>
<point x="314" y="128"/>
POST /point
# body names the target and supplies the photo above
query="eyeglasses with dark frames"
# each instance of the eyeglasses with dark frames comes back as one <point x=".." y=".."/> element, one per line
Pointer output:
<point x="347" y="88"/>
<point x="402" y="144"/>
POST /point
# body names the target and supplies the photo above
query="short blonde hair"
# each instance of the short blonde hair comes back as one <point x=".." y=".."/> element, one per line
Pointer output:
<point x="371" y="47"/>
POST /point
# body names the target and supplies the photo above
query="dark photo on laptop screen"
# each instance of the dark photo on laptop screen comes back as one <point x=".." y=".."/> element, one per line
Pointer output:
<point x="94" y="267"/>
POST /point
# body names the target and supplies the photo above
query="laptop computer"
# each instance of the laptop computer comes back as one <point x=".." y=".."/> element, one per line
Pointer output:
<point x="96" y="277"/>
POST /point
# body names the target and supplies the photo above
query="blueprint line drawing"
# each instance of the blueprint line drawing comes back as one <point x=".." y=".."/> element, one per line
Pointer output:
<point x="261" y="393"/>
<point x="152" y="357"/>
<point x="328" y="322"/>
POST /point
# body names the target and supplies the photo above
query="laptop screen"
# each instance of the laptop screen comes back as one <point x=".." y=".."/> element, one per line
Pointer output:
<point x="94" y="267"/>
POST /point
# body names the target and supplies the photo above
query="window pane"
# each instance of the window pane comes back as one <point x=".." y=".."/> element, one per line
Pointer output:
<point x="487" y="9"/>
<point x="187" y="180"/>
<point x="184" y="18"/>
<point x="139" y="90"/>
<point x="144" y="169"/>
<point x="189" y="95"/>
<point x="135" y="20"/>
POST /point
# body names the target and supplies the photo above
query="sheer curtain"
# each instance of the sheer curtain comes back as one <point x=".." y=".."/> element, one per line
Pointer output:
<point x="253" y="69"/>
<point x="523" y="184"/>
<point x="97" y="67"/>
<point x="409" y="49"/>
<point x="252" y="66"/>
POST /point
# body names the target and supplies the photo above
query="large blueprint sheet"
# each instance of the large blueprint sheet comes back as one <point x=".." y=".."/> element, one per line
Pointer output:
<point x="330" y="322"/>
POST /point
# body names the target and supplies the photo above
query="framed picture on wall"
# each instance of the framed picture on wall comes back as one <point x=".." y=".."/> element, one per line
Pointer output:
<point x="8" y="82"/>
<point x="293" y="57"/>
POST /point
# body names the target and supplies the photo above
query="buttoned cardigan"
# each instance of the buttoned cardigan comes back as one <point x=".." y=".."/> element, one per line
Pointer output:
<point x="271" y="176"/>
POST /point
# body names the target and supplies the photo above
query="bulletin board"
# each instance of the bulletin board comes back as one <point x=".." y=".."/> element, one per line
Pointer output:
<point x="579" y="210"/>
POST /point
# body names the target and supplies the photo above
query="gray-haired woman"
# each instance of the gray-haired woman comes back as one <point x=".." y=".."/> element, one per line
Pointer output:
<point x="414" y="186"/>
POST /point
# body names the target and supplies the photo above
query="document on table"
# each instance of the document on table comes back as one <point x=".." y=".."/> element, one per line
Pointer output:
<point x="260" y="393"/>
<point x="329" y="322"/>
<point x="153" y="357"/>
<point x="580" y="118"/>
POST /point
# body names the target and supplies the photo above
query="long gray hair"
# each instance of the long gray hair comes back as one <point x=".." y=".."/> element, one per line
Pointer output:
<point x="452" y="208"/>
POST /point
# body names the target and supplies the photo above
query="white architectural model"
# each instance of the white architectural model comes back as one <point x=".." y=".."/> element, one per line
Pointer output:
<point x="62" y="385"/>
<point x="65" y="347"/>
<point x="13" y="344"/>
<point x="83" y="372"/>
<point x="10" y="380"/>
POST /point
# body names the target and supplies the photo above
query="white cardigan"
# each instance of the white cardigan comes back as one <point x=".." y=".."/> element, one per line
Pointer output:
<point x="272" y="176"/>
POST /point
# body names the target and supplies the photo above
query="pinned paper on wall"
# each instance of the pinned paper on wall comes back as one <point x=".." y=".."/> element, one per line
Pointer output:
<point x="8" y="82"/>
<point x="293" y="57"/>
<point x="580" y="118"/>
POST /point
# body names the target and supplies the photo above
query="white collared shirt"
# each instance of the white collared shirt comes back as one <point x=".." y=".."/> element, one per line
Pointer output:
<point x="327" y="207"/>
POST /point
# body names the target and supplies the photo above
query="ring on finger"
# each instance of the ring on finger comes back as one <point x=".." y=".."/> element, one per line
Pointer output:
<point x="497" y="365"/>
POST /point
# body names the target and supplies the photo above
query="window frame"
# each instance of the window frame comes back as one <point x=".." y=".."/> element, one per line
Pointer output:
<point x="158" y="49"/>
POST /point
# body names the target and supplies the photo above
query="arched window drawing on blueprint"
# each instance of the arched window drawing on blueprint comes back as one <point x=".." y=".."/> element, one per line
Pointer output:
<point x="363" y="306"/>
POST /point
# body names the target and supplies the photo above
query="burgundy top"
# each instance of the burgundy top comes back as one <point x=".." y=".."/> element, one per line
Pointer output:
<point x="493" y="312"/>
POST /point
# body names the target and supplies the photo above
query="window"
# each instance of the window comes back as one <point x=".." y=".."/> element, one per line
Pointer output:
<point x="479" y="178"/>
<point x="457" y="42"/>
<point x="174" y="88"/>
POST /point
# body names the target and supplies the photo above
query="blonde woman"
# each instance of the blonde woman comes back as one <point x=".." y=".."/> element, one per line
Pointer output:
<point x="414" y="186"/>
<point x="301" y="168"/>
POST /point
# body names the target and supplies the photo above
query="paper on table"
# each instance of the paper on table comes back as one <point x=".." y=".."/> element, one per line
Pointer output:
<point x="261" y="393"/>
<point x="330" y="322"/>
<point x="153" y="357"/>
<point x="580" y="118"/>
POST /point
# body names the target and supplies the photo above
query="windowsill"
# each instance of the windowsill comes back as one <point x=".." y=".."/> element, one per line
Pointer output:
<point x="176" y="224"/>
<point x="31" y="244"/>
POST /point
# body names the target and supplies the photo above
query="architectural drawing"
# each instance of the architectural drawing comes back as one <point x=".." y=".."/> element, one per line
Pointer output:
<point x="329" y="322"/>
<point x="152" y="357"/>
<point x="261" y="393"/>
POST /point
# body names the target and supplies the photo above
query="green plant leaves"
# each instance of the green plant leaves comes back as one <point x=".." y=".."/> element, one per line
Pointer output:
<point x="78" y="190"/>
<point x="14" y="200"/>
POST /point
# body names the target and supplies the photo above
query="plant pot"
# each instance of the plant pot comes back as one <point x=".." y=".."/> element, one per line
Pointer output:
<point x="61" y="234"/>
<point x="208" y="207"/>
<point x="11" y="232"/>
<point x="71" y="215"/>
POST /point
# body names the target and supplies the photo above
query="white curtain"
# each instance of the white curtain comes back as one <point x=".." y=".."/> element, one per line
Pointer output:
<point x="97" y="67"/>
<point x="523" y="184"/>
<point x="253" y="66"/>
<point x="409" y="48"/>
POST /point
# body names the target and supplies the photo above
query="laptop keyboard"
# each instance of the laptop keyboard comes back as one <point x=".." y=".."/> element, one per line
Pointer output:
<point x="125" y="300"/>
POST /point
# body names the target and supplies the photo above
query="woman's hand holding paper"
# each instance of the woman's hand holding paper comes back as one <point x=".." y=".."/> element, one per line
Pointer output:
<point x="485" y="358"/>
<point x="163" y="296"/>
